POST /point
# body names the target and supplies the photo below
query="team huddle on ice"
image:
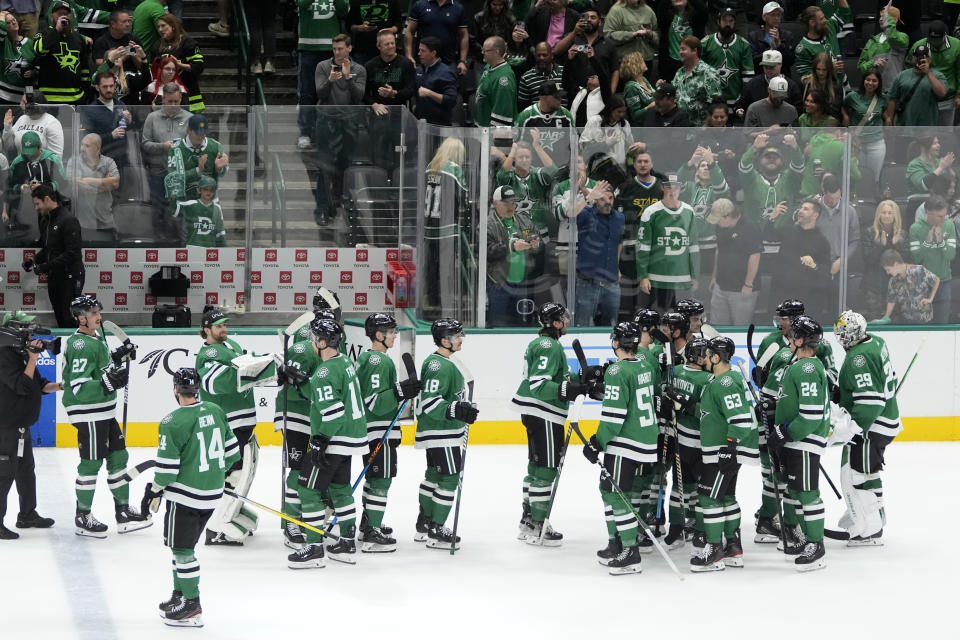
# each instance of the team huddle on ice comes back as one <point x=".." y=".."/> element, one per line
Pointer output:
<point x="671" y="401"/>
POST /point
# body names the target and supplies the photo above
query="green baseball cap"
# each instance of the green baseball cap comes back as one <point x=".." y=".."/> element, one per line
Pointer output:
<point x="30" y="142"/>
<point x="206" y="181"/>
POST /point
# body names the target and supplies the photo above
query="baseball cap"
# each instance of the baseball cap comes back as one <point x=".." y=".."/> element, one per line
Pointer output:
<point x="726" y="11"/>
<point x="778" y="86"/>
<point x="670" y="180"/>
<point x="770" y="7"/>
<point x="721" y="208"/>
<point x="198" y="124"/>
<point x="937" y="31"/>
<point x="214" y="316"/>
<point x="504" y="193"/>
<point x="774" y="150"/>
<point x="30" y="142"/>
<point x="771" y="58"/>
<point x="665" y="90"/>
<point x="206" y="181"/>
<point x="60" y="5"/>
<point x="553" y="89"/>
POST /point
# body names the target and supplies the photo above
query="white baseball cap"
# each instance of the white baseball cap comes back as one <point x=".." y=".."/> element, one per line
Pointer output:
<point x="771" y="7"/>
<point x="778" y="86"/>
<point x="771" y="58"/>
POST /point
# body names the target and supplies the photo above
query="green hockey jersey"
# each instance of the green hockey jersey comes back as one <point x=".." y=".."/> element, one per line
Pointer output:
<point x="301" y="356"/>
<point x="824" y="352"/>
<point x="690" y="381"/>
<point x="319" y="23"/>
<point x="443" y="384"/>
<point x="726" y="412"/>
<point x="761" y="196"/>
<point x="218" y="384"/>
<point x="637" y="98"/>
<point x="804" y="405"/>
<point x="337" y="407"/>
<point x="628" y="418"/>
<point x="532" y="193"/>
<point x="667" y="253"/>
<point x="203" y="223"/>
<point x="496" y="103"/>
<point x="732" y="60"/>
<point x="196" y="450"/>
<point x="868" y="388"/>
<point x="555" y="128"/>
<point x="84" y="360"/>
<point x="183" y="167"/>
<point x="775" y="370"/>
<point x="806" y="49"/>
<point x="378" y="375"/>
<point x="545" y="368"/>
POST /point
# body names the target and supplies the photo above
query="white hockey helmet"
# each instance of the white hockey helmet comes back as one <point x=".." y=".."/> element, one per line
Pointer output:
<point x="850" y="329"/>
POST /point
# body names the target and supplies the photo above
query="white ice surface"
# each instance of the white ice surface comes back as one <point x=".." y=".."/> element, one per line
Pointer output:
<point x="57" y="585"/>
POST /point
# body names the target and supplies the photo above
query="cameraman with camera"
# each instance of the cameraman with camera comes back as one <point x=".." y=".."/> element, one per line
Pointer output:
<point x="20" y="390"/>
<point x="914" y="98"/>
<point x="62" y="57"/>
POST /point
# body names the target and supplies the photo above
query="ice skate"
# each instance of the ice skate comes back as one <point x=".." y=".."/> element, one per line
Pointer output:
<point x="767" y="531"/>
<point x="345" y="549"/>
<point x="810" y="557"/>
<point x="611" y="551"/>
<point x="710" y="558"/>
<point x="551" y="538"/>
<point x="627" y="561"/>
<point x="733" y="551"/>
<point x="129" y="520"/>
<point x="89" y="526"/>
<point x="309" y="557"/>
<point x="186" y="613"/>
<point x="875" y="540"/>
<point x="293" y="536"/>
<point x="439" y="537"/>
<point x="675" y="538"/>
<point x="374" y="540"/>
<point x="174" y="599"/>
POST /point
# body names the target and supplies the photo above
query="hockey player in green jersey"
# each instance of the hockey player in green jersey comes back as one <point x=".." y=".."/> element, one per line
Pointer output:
<point x="694" y="311"/>
<point x="783" y="318"/>
<point x="728" y="438"/>
<point x="91" y="380"/>
<point x="382" y="395"/>
<point x="868" y="391"/>
<point x="194" y="155"/>
<point x="202" y="220"/>
<point x="627" y="437"/>
<point x="542" y="399"/>
<point x="196" y="450"/>
<point x="496" y="101"/>
<point x="338" y="430"/>
<point x="442" y="416"/>
<point x="798" y="439"/>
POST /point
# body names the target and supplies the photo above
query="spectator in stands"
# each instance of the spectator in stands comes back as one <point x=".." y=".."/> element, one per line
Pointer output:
<point x="145" y="19"/>
<point x="222" y="26"/>
<point x="261" y="22"/>
<point x="201" y="220"/>
<point x="108" y="117"/>
<point x="734" y="286"/>
<point x="563" y="200"/>
<point x="822" y="35"/>
<point x="835" y="211"/>
<point x="803" y="264"/>
<point x="495" y="19"/>
<point x="445" y="20"/>
<point x="928" y="162"/>
<point x="632" y="26"/>
<point x="131" y="71"/>
<point x="33" y="166"/>
<point x="637" y="90"/>
<point x="589" y="98"/>
<point x="549" y="117"/>
<point x="513" y="245"/>
<point x="61" y="254"/>
<point x="12" y="81"/>
<point x="770" y="181"/>
<point x="367" y="20"/>
<point x="771" y="64"/>
<point x="589" y="53"/>
<point x="600" y="232"/>
<point x="678" y="19"/>
<point x="341" y="83"/>
<point x="703" y="183"/>
<point x="816" y="111"/>
<point x="910" y="292"/>
<point x="96" y="177"/>
<point x="446" y="201"/>
<point x="89" y="20"/>
<point x="192" y="156"/>
<point x="518" y="49"/>
<point x="436" y="85"/>
<point x="496" y="98"/>
<point x="58" y="83"/>
<point x="824" y="78"/>
<point x="665" y="112"/>
<point x="887" y="49"/>
<point x="696" y="82"/>
<point x="161" y="130"/>
<point x="315" y="32"/>
<point x="545" y="70"/>
<point x="913" y="100"/>
<point x="945" y="58"/>
<point x="770" y="37"/>
<point x="863" y="109"/>
<point x="730" y="55"/>
<point x="608" y="133"/>
<point x="887" y="232"/>
<point x="825" y="152"/>
<point x="933" y="244"/>
<point x="119" y="33"/>
<point x="164" y="72"/>
<point x="529" y="184"/>
<point x="722" y="141"/>
<point x="391" y="82"/>
<point x="774" y="110"/>
<point x="549" y="21"/>
<point x="175" y="42"/>
<point x="27" y="15"/>
<point x="35" y="118"/>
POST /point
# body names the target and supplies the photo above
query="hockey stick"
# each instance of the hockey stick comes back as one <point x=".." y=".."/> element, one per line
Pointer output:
<point x="662" y="484"/>
<point x="750" y="330"/>
<point x="572" y="417"/>
<point x="909" y="366"/>
<point x="279" y="514"/>
<point x="468" y="377"/>
<point x="130" y="473"/>
<point x="304" y="318"/>
<point x="122" y="336"/>
<point x="283" y="429"/>
<point x="606" y="475"/>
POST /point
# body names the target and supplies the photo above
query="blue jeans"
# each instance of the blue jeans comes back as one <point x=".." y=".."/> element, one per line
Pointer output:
<point x="504" y="305"/>
<point x="942" y="303"/>
<point x="596" y="300"/>
<point x="307" y="62"/>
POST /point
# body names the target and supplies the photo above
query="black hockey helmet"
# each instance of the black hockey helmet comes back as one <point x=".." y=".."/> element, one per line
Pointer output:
<point x="550" y="312"/>
<point x="790" y="308"/>
<point x="689" y="307"/>
<point x="807" y="329"/>
<point x="444" y="328"/>
<point x="187" y="381"/>
<point x="378" y="322"/>
<point x="328" y="331"/>
<point x="722" y="346"/>
<point x="627" y="335"/>
<point x="325" y="299"/>
<point x="81" y="305"/>
<point x="696" y="349"/>
<point x="676" y="320"/>
<point x="646" y="319"/>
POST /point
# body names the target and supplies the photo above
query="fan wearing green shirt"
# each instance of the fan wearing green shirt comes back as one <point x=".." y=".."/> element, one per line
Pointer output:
<point x="513" y="244"/>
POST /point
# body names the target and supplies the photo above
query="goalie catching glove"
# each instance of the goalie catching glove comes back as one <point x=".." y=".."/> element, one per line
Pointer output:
<point x="151" y="499"/>
<point x="114" y="379"/>
<point x="570" y="390"/>
<point x="407" y="390"/>
<point x="463" y="411"/>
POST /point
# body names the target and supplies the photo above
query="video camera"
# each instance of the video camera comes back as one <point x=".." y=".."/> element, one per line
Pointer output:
<point x="19" y="335"/>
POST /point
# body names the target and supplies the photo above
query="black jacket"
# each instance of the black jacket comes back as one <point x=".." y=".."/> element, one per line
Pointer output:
<point x="19" y="395"/>
<point x="538" y="22"/>
<point x="61" y="253"/>
<point x="676" y="118"/>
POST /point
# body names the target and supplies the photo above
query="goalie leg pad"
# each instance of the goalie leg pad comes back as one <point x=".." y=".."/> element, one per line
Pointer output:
<point x="863" y="508"/>
<point x="230" y="517"/>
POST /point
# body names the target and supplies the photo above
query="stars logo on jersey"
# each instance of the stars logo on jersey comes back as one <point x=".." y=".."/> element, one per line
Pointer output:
<point x="67" y="58"/>
<point x="375" y="359"/>
<point x="545" y="343"/>
<point x="434" y="365"/>
<point x="614" y="369"/>
<point x="859" y="361"/>
<point x="807" y="367"/>
<point x="211" y="353"/>
<point x="299" y="348"/>
<point x="323" y="372"/>
<point x="166" y="419"/>
<point x="294" y="453"/>
<point x="78" y="344"/>
<point x="726" y="381"/>
<point x="504" y="81"/>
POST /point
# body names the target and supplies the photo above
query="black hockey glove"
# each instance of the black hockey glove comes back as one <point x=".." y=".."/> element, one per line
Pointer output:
<point x="664" y="409"/>
<point x="463" y="411"/>
<point x="407" y="390"/>
<point x="727" y="457"/>
<point x="126" y="351"/>
<point x="766" y="411"/>
<point x="28" y="265"/>
<point x="569" y="391"/>
<point x="151" y="499"/>
<point x="777" y="437"/>
<point x="596" y="390"/>
<point x="114" y="379"/>
<point x="289" y="374"/>
<point x="834" y="393"/>
<point x="758" y="376"/>
<point x="591" y="450"/>
<point x="591" y="373"/>
<point x="318" y="449"/>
